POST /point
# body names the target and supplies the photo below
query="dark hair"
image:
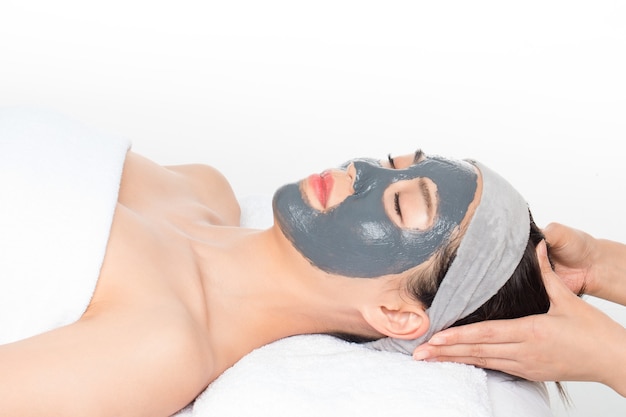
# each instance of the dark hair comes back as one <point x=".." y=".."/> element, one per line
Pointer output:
<point x="522" y="295"/>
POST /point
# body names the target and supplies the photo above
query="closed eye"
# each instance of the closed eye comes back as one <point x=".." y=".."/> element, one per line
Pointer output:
<point x="391" y="161"/>
<point x="396" y="203"/>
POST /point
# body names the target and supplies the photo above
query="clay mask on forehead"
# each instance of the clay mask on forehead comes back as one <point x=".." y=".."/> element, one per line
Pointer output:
<point x="357" y="238"/>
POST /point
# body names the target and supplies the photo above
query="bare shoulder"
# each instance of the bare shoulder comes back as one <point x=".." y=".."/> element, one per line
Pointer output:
<point x="149" y="187"/>
<point x="204" y="176"/>
<point x="212" y="187"/>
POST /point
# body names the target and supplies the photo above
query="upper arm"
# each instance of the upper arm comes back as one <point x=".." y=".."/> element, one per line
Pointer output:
<point x="111" y="364"/>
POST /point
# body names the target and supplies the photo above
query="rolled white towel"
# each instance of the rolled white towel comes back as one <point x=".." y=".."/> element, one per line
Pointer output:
<point x="59" y="181"/>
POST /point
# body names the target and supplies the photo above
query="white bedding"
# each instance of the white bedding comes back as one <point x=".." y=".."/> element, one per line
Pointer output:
<point x="318" y="375"/>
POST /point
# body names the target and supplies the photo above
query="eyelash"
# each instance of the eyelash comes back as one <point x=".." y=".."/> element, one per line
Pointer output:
<point x="396" y="203"/>
<point x="396" y="196"/>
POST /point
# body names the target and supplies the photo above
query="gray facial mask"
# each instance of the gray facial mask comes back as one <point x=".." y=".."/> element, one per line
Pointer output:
<point x="357" y="238"/>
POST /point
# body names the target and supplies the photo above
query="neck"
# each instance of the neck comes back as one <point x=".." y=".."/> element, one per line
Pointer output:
<point x="258" y="289"/>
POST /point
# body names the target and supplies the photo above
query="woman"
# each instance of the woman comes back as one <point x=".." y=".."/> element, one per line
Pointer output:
<point x="183" y="292"/>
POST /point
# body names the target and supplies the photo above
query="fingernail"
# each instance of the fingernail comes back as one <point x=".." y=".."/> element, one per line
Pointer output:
<point x="420" y="355"/>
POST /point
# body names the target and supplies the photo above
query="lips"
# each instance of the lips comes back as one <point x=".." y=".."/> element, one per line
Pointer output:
<point x="321" y="184"/>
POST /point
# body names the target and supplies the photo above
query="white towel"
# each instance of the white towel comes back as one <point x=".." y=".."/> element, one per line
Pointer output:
<point x="59" y="181"/>
<point x="319" y="375"/>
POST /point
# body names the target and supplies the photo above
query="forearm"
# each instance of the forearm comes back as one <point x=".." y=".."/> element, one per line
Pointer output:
<point x="615" y="374"/>
<point x="611" y="274"/>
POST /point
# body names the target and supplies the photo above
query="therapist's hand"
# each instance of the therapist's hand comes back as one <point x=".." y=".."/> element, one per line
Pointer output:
<point x="586" y="264"/>
<point x="573" y="341"/>
<point x="574" y="254"/>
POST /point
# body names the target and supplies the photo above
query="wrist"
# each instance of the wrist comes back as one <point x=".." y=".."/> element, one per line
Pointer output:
<point x="608" y="280"/>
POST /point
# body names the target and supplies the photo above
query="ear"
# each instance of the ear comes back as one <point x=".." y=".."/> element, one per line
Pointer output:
<point x="405" y="321"/>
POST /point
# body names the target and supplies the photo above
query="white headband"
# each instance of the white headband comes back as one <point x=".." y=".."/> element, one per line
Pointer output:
<point x="489" y="252"/>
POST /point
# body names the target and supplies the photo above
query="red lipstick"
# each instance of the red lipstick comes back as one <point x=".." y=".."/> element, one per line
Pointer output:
<point x="321" y="184"/>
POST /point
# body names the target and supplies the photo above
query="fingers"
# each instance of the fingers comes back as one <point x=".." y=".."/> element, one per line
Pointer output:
<point x="542" y="256"/>
<point x="554" y="286"/>
<point x="502" y="357"/>
<point x="500" y="364"/>
<point x="557" y="235"/>
<point x="547" y="274"/>
<point x="497" y="331"/>
<point x="488" y="339"/>
<point x="479" y="352"/>
<point x="568" y="246"/>
<point x="552" y="230"/>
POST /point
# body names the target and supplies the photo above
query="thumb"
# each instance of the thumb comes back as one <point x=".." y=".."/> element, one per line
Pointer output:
<point x="555" y="287"/>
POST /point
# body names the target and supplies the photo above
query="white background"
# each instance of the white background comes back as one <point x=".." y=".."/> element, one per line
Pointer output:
<point x="271" y="91"/>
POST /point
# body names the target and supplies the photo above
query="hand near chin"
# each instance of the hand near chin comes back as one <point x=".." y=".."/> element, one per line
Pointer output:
<point x="572" y="341"/>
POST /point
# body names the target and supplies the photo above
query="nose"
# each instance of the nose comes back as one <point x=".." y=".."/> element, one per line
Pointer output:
<point x="365" y="173"/>
<point x="351" y="171"/>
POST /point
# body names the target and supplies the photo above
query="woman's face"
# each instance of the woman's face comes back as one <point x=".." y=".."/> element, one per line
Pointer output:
<point x="371" y="218"/>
